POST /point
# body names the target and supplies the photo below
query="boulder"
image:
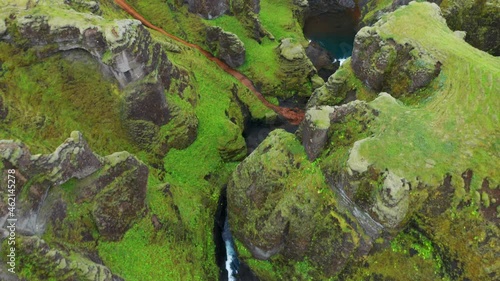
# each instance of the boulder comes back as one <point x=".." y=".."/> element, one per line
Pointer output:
<point x="296" y="70"/>
<point x="321" y="59"/>
<point x="227" y="46"/>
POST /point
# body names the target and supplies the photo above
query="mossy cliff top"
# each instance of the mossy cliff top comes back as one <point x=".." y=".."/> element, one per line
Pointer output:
<point x="454" y="129"/>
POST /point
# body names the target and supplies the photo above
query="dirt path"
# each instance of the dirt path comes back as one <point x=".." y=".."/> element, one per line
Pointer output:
<point x="294" y="116"/>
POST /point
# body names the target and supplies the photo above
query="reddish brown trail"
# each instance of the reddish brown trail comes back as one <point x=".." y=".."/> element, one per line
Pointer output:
<point x="294" y="116"/>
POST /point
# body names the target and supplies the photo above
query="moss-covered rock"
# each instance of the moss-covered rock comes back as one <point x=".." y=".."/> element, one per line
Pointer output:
<point x="384" y="65"/>
<point x="39" y="261"/>
<point x="121" y="201"/>
<point x="296" y="70"/>
<point x="123" y="47"/>
<point x="391" y="165"/>
<point x="279" y="206"/>
<point x="73" y="197"/>
<point x="208" y="8"/>
<point x="226" y="46"/>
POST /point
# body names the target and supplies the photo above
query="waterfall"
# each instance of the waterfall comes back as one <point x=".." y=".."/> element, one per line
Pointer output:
<point x="232" y="262"/>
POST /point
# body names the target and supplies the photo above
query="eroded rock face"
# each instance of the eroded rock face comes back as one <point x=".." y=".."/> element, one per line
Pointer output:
<point x="317" y="7"/>
<point x="118" y="192"/>
<point x="384" y="65"/>
<point x="477" y="18"/>
<point x="319" y="119"/>
<point x="208" y="9"/>
<point x="335" y="91"/>
<point x="295" y="67"/>
<point x="321" y="60"/>
<point x="226" y="45"/>
<point x="242" y="6"/>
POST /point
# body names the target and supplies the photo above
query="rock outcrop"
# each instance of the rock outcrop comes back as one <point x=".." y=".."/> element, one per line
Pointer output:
<point x="226" y="46"/>
<point x="316" y="7"/>
<point x="296" y="70"/>
<point x="322" y="60"/>
<point x="279" y="203"/>
<point x="477" y="18"/>
<point x="384" y="65"/>
<point x="51" y="263"/>
<point x="244" y="6"/>
<point x="123" y="47"/>
<point x="76" y="195"/>
<point x="389" y="166"/>
<point x="208" y="9"/>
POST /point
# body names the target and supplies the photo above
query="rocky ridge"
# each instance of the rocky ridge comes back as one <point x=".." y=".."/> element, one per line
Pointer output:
<point x="125" y="49"/>
<point x="77" y="196"/>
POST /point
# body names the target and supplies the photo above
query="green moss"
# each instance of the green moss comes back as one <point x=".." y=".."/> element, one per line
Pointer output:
<point x="49" y="98"/>
<point x="411" y="256"/>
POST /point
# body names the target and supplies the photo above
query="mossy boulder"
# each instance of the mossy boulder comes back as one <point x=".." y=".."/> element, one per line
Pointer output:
<point x="384" y="65"/>
<point x="279" y="205"/>
<point x="296" y="70"/>
<point x="208" y="9"/>
<point x="226" y="46"/>
<point x="41" y="261"/>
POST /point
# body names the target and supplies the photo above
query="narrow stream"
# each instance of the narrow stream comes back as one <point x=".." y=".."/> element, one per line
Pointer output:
<point x="230" y="268"/>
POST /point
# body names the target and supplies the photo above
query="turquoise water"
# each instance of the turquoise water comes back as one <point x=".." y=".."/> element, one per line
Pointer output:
<point x="334" y="31"/>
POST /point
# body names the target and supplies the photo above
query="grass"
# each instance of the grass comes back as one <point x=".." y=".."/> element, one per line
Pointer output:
<point x="51" y="97"/>
<point x="261" y="64"/>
